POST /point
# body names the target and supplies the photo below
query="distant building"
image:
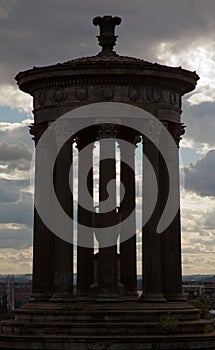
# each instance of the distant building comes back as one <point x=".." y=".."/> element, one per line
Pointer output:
<point x="194" y="290"/>
<point x="209" y="290"/>
<point x="22" y="292"/>
<point x="3" y="297"/>
<point x="13" y="294"/>
<point x="10" y="292"/>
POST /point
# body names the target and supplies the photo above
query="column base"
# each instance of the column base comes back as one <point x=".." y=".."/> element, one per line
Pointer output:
<point x="62" y="298"/>
<point x="150" y="298"/>
<point x="175" y="297"/>
<point x="131" y="296"/>
<point x="108" y="297"/>
<point x="38" y="297"/>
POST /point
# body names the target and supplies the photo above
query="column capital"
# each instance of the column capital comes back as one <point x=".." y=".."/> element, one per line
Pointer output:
<point x="176" y="130"/>
<point x="133" y="140"/>
<point x="85" y="137"/>
<point x="107" y="130"/>
<point x="37" y="130"/>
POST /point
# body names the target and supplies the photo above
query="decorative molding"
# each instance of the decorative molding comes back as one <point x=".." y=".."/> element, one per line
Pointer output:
<point x="110" y="79"/>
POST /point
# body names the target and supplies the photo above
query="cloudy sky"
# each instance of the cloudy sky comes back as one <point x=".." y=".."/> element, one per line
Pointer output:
<point x="179" y="32"/>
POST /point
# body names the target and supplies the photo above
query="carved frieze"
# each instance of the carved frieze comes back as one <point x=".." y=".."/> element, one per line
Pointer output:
<point x="108" y="93"/>
<point x="134" y="94"/>
<point x="156" y="95"/>
<point x="81" y="94"/>
<point x="58" y="96"/>
<point x="100" y="93"/>
<point x="42" y="98"/>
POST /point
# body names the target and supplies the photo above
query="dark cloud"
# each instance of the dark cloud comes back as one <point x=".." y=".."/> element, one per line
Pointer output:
<point x="9" y="192"/>
<point x="16" y="133"/>
<point x="16" y="205"/>
<point x="20" y="212"/>
<point x="200" y="122"/>
<point x="15" y="160"/>
<point x="199" y="178"/>
<point x="14" y="152"/>
<point x="6" y="7"/>
<point x="19" y="238"/>
<point x="43" y="32"/>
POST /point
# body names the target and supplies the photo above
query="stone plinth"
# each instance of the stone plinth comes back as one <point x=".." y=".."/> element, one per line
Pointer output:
<point x="120" y="326"/>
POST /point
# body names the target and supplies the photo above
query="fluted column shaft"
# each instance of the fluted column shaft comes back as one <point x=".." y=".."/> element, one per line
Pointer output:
<point x="171" y="237"/>
<point x="151" y="240"/>
<point x="43" y="239"/>
<point x="63" y="251"/>
<point x="107" y="258"/>
<point x="85" y="233"/>
<point x="128" y="246"/>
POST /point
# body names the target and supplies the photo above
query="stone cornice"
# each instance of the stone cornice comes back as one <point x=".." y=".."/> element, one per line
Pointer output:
<point x="104" y="80"/>
<point x="107" y="72"/>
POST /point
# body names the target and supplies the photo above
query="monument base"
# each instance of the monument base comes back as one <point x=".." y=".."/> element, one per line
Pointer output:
<point x="114" y="326"/>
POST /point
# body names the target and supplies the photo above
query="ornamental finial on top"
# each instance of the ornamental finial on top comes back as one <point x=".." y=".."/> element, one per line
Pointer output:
<point x="107" y="37"/>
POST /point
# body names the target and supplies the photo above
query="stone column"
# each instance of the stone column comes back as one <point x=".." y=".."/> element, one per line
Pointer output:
<point x="171" y="237"/>
<point x="151" y="240"/>
<point x="107" y="257"/>
<point x="128" y="246"/>
<point x="63" y="251"/>
<point x="85" y="233"/>
<point x="43" y="238"/>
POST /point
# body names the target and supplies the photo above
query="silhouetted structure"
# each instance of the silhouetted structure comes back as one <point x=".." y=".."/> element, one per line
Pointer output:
<point x="10" y="292"/>
<point x="107" y="313"/>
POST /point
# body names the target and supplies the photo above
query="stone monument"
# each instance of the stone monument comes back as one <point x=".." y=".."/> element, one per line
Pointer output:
<point x="105" y="311"/>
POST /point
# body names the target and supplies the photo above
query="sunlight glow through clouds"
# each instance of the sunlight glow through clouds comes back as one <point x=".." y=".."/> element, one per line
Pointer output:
<point x="12" y="97"/>
<point x="198" y="242"/>
<point x="201" y="149"/>
<point x="14" y="261"/>
<point x="199" y="56"/>
<point x="7" y="126"/>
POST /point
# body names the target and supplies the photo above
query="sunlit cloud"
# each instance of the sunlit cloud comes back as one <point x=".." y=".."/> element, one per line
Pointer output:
<point x="198" y="56"/>
<point x="14" y="261"/>
<point x="12" y="97"/>
<point x="198" y="240"/>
